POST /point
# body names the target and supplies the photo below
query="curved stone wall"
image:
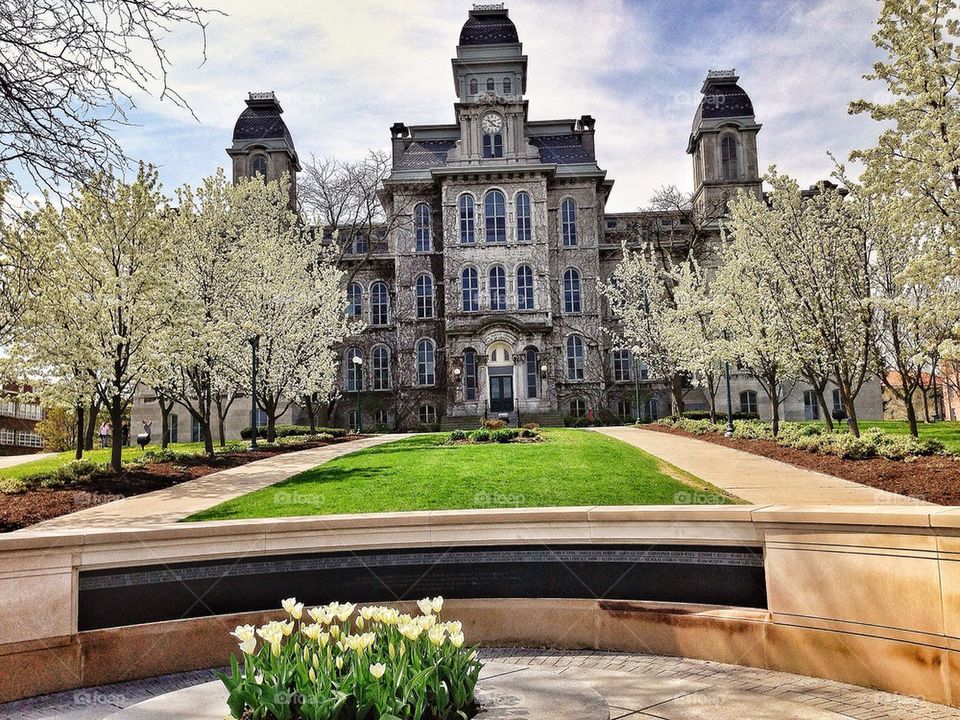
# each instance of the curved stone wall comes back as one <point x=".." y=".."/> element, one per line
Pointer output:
<point x="865" y="595"/>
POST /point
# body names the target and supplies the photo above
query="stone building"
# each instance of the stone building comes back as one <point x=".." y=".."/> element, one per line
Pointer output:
<point x="482" y="299"/>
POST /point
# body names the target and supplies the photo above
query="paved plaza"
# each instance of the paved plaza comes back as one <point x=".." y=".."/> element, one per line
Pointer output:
<point x="636" y="687"/>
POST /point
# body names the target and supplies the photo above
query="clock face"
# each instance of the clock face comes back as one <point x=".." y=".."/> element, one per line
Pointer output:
<point x="491" y="123"/>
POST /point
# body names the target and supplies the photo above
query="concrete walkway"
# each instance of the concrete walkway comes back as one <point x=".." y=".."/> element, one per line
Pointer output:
<point x="179" y="501"/>
<point x="756" y="479"/>
<point x="8" y="461"/>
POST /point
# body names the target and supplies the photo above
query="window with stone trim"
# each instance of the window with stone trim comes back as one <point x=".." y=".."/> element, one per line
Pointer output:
<point x="624" y="409"/>
<point x="495" y="216"/>
<point x="354" y="300"/>
<point x="380" y="417"/>
<point x="379" y="304"/>
<point x="729" y="169"/>
<point x="380" y="367"/>
<point x="572" y="302"/>
<point x="426" y="363"/>
<point x="507" y="86"/>
<point x="421" y="227"/>
<point x="568" y="223"/>
<point x="469" y="290"/>
<point x="491" y="85"/>
<point x="525" y="297"/>
<point x="493" y="145"/>
<point x="621" y="365"/>
<point x="467" y="220"/>
<point x="469" y="374"/>
<point x="498" y="288"/>
<point x="748" y="401"/>
<point x="524" y="223"/>
<point x="354" y="371"/>
<point x="578" y="408"/>
<point x="258" y="165"/>
<point x="424" y="296"/>
<point x="474" y="86"/>
<point x="428" y="414"/>
<point x="575" y="358"/>
<point x="531" y="362"/>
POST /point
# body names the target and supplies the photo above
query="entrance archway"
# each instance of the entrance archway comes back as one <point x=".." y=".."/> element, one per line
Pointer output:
<point x="500" y="376"/>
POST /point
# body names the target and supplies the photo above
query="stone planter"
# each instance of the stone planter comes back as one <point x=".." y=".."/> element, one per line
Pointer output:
<point x="504" y="692"/>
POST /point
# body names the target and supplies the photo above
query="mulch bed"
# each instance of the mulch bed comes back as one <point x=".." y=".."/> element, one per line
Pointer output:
<point x="934" y="479"/>
<point x="18" y="510"/>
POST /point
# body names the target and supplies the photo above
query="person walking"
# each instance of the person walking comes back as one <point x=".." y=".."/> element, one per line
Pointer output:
<point x="105" y="429"/>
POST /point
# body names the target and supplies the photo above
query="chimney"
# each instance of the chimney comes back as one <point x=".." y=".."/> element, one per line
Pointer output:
<point x="585" y="126"/>
<point x="398" y="134"/>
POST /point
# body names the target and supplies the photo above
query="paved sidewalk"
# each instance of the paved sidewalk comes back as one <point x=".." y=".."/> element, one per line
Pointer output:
<point x="756" y="479"/>
<point x="178" y="501"/>
<point x="7" y="461"/>
<point x="637" y="687"/>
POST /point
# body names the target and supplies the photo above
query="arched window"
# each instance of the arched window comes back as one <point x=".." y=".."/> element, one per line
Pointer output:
<point x="571" y="291"/>
<point x="568" y="223"/>
<point x="507" y="86"/>
<point x="491" y="86"/>
<point x="354" y="300"/>
<point x="428" y="415"/>
<point x="495" y="216"/>
<point x="424" y="294"/>
<point x="748" y="401"/>
<point x="524" y="288"/>
<point x="728" y="158"/>
<point x="379" y="304"/>
<point x="493" y="145"/>
<point x="354" y="370"/>
<point x="421" y="227"/>
<point x="469" y="374"/>
<point x="469" y="290"/>
<point x="426" y="363"/>
<point x="532" y="372"/>
<point x="498" y="288"/>
<point x="467" y="234"/>
<point x="621" y="365"/>
<point x="574" y="358"/>
<point x="474" y="89"/>
<point x="380" y="367"/>
<point x="258" y="165"/>
<point x="524" y="232"/>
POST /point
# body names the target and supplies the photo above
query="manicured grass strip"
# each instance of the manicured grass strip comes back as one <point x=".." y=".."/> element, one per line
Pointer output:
<point x="99" y="455"/>
<point x="571" y="467"/>
<point x="947" y="432"/>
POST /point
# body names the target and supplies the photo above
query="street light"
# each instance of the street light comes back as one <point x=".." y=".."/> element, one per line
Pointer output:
<point x="254" y="341"/>
<point x="358" y="361"/>
<point x="726" y="371"/>
<point x="636" y="377"/>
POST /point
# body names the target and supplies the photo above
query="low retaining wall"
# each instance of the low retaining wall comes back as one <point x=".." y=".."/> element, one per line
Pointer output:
<point x="865" y="595"/>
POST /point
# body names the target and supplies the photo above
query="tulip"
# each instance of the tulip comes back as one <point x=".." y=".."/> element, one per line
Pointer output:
<point x="340" y="662"/>
<point x="377" y="670"/>
<point x="456" y="639"/>
<point x="248" y="646"/>
<point x="436" y="635"/>
<point x="293" y="608"/>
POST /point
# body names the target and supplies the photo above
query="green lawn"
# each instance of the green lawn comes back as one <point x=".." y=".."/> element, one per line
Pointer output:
<point x="946" y="432"/>
<point x="571" y="467"/>
<point x="99" y="455"/>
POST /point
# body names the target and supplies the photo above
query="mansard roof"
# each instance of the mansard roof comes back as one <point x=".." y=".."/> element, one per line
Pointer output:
<point x="488" y="27"/>
<point x="555" y="149"/>
<point x="261" y="121"/>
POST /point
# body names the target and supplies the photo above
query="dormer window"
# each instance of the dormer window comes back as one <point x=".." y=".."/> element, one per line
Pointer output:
<point x="258" y="166"/>
<point x="474" y="87"/>
<point x="507" y="86"/>
<point x="491" y="86"/>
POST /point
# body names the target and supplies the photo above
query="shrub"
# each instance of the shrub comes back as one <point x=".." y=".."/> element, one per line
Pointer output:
<point x="74" y="472"/>
<point x="504" y="435"/>
<point x="481" y="435"/>
<point x="458" y="435"/>
<point x="288" y="430"/>
<point x="721" y="416"/>
<point x="382" y="665"/>
<point x="493" y="424"/>
<point x="529" y="433"/>
<point x="531" y="426"/>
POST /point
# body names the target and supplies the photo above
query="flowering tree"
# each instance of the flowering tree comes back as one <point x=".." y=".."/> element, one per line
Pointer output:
<point x="105" y="308"/>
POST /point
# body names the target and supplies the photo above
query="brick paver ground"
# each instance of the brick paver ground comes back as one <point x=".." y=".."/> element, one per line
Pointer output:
<point x="637" y="687"/>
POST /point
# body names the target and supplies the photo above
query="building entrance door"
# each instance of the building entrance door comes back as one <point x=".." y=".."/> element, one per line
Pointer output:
<point x="501" y="393"/>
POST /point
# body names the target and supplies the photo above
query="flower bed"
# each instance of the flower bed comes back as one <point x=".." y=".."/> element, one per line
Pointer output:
<point x="337" y="662"/>
<point x="872" y="443"/>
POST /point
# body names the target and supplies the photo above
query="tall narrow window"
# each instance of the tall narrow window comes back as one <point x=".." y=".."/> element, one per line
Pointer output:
<point x="498" y="288"/>
<point x="728" y="158"/>
<point x="571" y="291"/>
<point x="621" y="365"/>
<point x="469" y="290"/>
<point x="354" y="300"/>
<point x="532" y="372"/>
<point x="424" y="293"/>
<point x="507" y="86"/>
<point x="491" y="85"/>
<point x="421" y="227"/>
<point x="578" y="408"/>
<point x="493" y="145"/>
<point x="748" y="401"/>
<point x="360" y="244"/>
<point x="467" y="234"/>
<point x="259" y="165"/>
<point x="426" y="363"/>
<point x="474" y="89"/>
<point x="574" y="358"/>
<point x="379" y="304"/>
<point x="495" y="216"/>
<point x="469" y="374"/>
<point x="354" y="370"/>
<point x="380" y="367"/>
<point x="524" y="230"/>
<point x="524" y="288"/>
<point x="568" y="223"/>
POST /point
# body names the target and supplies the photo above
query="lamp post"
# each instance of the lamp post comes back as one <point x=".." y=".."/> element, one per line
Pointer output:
<point x="636" y="378"/>
<point x="726" y="372"/>
<point x="254" y="341"/>
<point x="358" y="363"/>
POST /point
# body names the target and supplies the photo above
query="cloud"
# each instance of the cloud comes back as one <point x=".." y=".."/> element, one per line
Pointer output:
<point x="346" y="71"/>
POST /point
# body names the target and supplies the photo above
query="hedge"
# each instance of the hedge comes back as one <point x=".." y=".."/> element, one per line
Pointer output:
<point x="290" y="430"/>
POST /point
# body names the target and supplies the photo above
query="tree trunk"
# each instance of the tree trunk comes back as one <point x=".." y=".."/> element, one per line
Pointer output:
<point x="166" y="407"/>
<point x="676" y="392"/>
<point x="911" y="411"/>
<point x="712" y="396"/>
<point x="824" y="408"/>
<point x="80" y="427"/>
<point x="92" y="418"/>
<point x="271" y="425"/>
<point x="775" y="413"/>
<point x="312" y="409"/>
<point x="116" y="420"/>
<point x="851" y="409"/>
<point x="207" y="438"/>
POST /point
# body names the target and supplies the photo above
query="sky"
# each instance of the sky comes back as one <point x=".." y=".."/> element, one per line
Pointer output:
<point x="346" y="70"/>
